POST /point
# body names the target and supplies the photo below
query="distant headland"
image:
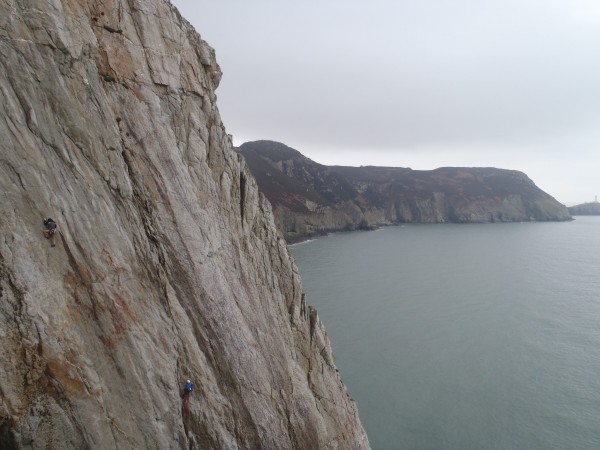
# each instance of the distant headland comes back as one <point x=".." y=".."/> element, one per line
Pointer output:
<point x="586" y="209"/>
<point x="310" y="198"/>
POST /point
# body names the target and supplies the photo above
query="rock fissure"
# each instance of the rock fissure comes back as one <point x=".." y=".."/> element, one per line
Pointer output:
<point x="112" y="30"/>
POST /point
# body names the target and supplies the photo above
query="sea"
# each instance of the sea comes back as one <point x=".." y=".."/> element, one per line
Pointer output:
<point x="465" y="336"/>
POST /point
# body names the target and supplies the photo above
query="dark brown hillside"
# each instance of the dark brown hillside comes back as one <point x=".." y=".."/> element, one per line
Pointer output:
<point x="342" y="197"/>
<point x="279" y="187"/>
<point x="317" y="177"/>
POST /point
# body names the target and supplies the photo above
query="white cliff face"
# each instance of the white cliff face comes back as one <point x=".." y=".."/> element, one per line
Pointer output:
<point x="168" y="265"/>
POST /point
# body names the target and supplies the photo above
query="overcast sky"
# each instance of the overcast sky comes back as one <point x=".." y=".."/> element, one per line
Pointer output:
<point x="505" y="83"/>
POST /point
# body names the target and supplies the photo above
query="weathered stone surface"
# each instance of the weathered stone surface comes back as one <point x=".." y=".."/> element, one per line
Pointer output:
<point x="168" y="265"/>
<point x="312" y="198"/>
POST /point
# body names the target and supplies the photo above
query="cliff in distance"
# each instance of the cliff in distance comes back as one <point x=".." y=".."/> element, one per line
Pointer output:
<point x="586" y="209"/>
<point x="167" y="263"/>
<point x="310" y="198"/>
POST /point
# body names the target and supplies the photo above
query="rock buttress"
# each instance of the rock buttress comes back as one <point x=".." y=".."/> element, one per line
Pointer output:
<point x="167" y="266"/>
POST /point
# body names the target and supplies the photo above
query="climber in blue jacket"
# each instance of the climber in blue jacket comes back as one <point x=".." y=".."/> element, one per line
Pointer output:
<point x="188" y="388"/>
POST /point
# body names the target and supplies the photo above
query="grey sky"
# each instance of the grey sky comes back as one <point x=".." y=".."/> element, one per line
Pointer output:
<point x="421" y="84"/>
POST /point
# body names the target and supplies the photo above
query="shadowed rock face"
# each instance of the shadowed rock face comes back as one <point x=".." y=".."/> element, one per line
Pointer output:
<point x="312" y="198"/>
<point x="167" y="266"/>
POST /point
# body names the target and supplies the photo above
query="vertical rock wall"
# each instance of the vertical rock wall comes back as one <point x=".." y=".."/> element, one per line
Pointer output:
<point x="167" y="266"/>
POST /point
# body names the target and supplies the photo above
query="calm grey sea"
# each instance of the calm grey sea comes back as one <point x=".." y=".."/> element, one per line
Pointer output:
<point x="475" y="336"/>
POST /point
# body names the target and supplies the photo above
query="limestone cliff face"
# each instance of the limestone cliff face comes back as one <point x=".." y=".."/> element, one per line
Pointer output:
<point x="168" y="265"/>
<point x="311" y="198"/>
